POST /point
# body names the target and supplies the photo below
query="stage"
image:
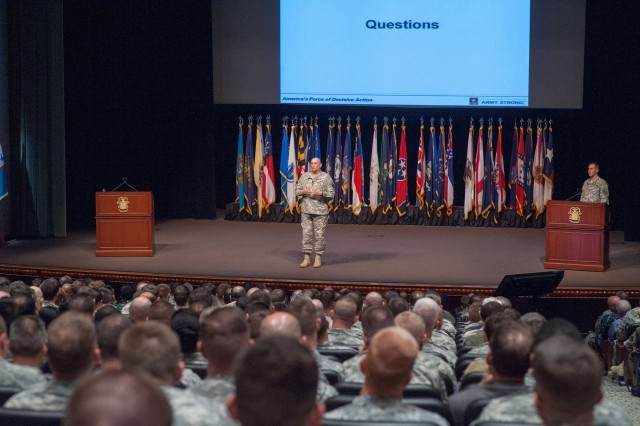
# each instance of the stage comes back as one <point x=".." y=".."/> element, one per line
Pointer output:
<point x="454" y="260"/>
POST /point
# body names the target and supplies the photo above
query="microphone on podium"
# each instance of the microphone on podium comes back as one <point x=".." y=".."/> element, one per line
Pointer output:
<point x="579" y="192"/>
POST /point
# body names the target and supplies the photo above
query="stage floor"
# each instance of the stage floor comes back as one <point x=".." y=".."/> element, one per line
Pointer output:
<point x="453" y="259"/>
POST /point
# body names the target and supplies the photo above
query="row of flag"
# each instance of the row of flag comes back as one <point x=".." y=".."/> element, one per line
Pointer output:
<point x="530" y="179"/>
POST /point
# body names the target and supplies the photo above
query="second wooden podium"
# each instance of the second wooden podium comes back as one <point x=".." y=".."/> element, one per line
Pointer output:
<point x="124" y="224"/>
<point x="577" y="236"/>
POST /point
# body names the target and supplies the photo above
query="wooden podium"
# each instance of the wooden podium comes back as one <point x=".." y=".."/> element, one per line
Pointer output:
<point x="577" y="236"/>
<point x="124" y="224"/>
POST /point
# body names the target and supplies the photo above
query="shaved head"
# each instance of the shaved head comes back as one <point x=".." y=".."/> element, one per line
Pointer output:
<point x="280" y="324"/>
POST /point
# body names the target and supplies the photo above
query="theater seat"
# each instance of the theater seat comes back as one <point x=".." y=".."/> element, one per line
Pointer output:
<point x="471" y="378"/>
<point x="341" y="354"/>
<point x="332" y="376"/>
<point x="199" y="369"/>
<point x="7" y="392"/>
<point x="14" y="417"/>
<point x="332" y="422"/>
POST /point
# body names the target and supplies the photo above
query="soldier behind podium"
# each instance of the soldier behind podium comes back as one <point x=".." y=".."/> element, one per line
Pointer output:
<point x="595" y="189"/>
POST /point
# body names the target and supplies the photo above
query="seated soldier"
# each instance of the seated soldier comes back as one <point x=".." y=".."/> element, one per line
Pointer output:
<point x="520" y="407"/>
<point x="224" y="334"/>
<point x="285" y="324"/>
<point x="108" y="332"/>
<point x="276" y="381"/>
<point x="27" y="345"/>
<point x="430" y="312"/>
<point x="506" y="365"/>
<point x="153" y="348"/>
<point x="310" y="320"/>
<point x="426" y="364"/>
<point x="344" y="315"/>
<point x="118" y="398"/>
<point x="72" y="352"/>
<point x="568" y="382"/>
<point x="387" y="368"/>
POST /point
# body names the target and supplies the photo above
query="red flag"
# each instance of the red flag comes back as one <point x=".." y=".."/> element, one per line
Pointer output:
<point x="402" y="189"/>
<point x="520" y="193"/>
<point x="479" y="172"/>
<point x="420" y="171"/>
<point x="500" y="192"/>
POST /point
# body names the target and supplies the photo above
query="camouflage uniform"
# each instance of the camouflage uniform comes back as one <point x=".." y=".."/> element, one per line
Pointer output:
<point x="473" y="338"/>
<point x="443" y="340"/>
<point x="425" y="371"/>
<point x="215" y="387"/>
<point x="19" y="375"/>
<point x="430" y="346"/>
<point x="189" y="378"/>
<point x="315" y="210"/>
<point x="520" y="408"/>
<point x="481" y="350"/>
<point x="631" y="318"/>
<point x="193" y="410"/>
<point x="345" y="337"/>
<point x="49" y="304"/>
<point x="448" y="328"/>
<point x="366" y="408"/>
<point x="595" y="191"/>
<point x="49" y="396"/>
<point x="194" y="358"/>
<point x="326" y="363"/>
<point x="324" y="390"/>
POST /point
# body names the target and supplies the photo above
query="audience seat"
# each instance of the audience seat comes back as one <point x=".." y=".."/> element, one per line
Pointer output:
<point x="607" y="353"/>
<point x="341" y="354"/>
<point x="332" y="376"/>
<point x="470" y="379"/>
<point x="410" y="391"/>
<point x="438" y="354"/>
<point x="332" y="422"/>
<point x="14" y="417"/>
<point x="7" y="392"/>
<point x="199" y="369"/>
<point x="496" y="423"/>
<point x="463" y="362"/>
<point x="434" y="405"/>
<point x="474" y="409"/>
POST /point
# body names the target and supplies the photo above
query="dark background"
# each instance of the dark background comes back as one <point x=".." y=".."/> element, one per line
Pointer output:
<point x="138" y="104"/>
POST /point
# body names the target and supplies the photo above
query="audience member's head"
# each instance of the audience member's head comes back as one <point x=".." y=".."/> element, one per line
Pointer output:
<point x="414" y="324"/>
<point x="185" y="323"/>
<point x="510" y="348"/>
<point x="181" y="296"/>
<point x="374" y="319"/>
<point x="25" y="303"/>
<point x="224" y="334"/>
<point x="260" y="296"/>
<point x="276" y="382"/>
<point x="474" y="312"/>
<point x="161" y="311"/>
<point x="108" y="332"/>
<point x="611" y="302"/>
<point x="280" y="324"/>
<point x="237" y="292"/>
<point x="429" y="310"/>
<point x="71" y="345"/>
<point x="568" y="381"/>
<point x="306" y="313"/>
<point x="81" y="302"/>
<point x="139" y="309"/>
<point x="388" y="363"/>
<point x="152" y="347"/>
<point x="558" y="326"/>
<point x="622" y="307"/>
<point x="344" y="312"/>
<point x="490" y="308"/>
<point x="118" y="398"/>
<point x="28" y="336"/>
<point x="534" y="321"/>
<point x="397" y="305"/>
<point x="126" y="292"/>
<point x="104" y="312"/>
<point x="373" y="298"/>
<point x="622" y="295"/>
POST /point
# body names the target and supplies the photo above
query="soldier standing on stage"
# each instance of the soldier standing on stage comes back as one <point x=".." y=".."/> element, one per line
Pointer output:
<point x="316" y="189"/>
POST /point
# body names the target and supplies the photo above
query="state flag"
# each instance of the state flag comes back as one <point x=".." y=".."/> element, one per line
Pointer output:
<point x="402" y="188"/>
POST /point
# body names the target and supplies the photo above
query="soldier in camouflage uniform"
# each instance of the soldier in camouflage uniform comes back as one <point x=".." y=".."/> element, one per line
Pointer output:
<point x="344" y="315"/>
<point x="28" y="336"/>
<point x="595" y="189"/>
<point x="224" y="334"/>
<point x="631" y="319"/>
<point x="392" y="349"/>
<point x="316" y="188"/>
<point x="118" y="397"/>
<point x="270" y="389"/>
<point x="72" y="355"/>
<point x="152" y="347"/>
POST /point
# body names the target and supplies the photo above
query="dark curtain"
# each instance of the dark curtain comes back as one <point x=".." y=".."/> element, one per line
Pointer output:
<point x="36" y="87"/>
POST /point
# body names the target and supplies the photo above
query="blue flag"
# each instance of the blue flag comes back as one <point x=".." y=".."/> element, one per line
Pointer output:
<point x="328" y="161"/>
<point x="439" y="177"/>
<point x="393" y="165"/>
<point x="528" y="171"/>
<point x="431" y="161"/>
<point x="337" y="166"/>
<point x="4" y="188"/>
<point x="513" y="169"/>
<point x="384" y="172"/>
<point x="239" y="171"/>
<point x="284" y="167"/>
<point x="489" y="182"/>
<point x="317" y="152"/>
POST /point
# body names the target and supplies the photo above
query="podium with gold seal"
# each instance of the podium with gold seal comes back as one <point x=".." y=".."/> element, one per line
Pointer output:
<point x="577" y="236"/>
<point x="124" y="224"/>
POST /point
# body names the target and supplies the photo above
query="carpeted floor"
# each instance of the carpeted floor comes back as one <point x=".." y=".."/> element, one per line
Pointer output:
<point x="620" y="395"/>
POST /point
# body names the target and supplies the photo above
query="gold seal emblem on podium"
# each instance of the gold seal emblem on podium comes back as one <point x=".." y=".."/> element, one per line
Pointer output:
<point x="123" y="204"/>
<point x="574" y="214"/>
